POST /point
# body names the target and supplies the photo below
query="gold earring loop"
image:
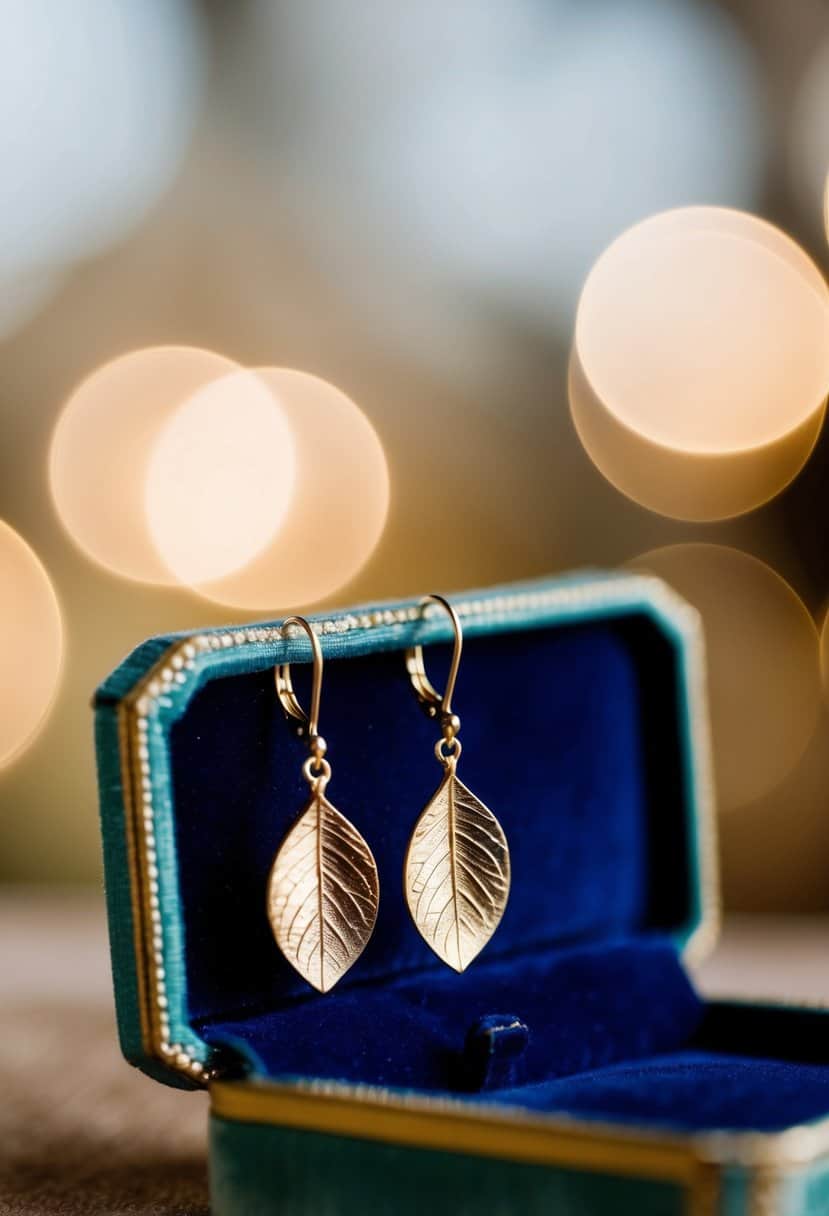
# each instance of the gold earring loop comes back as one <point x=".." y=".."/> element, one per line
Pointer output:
<point x="456" y="874"/>
<point x="285" y="688"/>
<point x="323" y="888"/>
<point x="427" y="694"/>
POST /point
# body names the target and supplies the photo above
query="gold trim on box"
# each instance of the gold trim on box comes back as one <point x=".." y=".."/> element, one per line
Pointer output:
<point x="443" y="1125"/>
<point x="486" y="1129"/>
<point x="170" y="677"/>
<point x="694" y="1160"/>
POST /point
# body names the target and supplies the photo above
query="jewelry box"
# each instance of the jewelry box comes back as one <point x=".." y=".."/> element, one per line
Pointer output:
<point x="572" y="1067"/>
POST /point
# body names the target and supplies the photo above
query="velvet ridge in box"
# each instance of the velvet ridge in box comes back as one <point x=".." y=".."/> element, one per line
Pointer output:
<point x="584" y="729"/>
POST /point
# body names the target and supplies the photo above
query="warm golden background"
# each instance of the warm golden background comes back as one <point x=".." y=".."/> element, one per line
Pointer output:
<point x="404" y="200"/>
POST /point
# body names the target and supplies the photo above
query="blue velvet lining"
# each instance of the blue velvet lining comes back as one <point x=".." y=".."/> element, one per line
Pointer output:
<point x="688" y="1089"/>
<point x="579" y="1004"/>
<point x="582" y="1008"/>
<point x="554" y="742"/>
<point x="612" y="1032"/>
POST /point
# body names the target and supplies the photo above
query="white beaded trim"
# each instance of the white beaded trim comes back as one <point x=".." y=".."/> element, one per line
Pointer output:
<point x="180" y="663"/>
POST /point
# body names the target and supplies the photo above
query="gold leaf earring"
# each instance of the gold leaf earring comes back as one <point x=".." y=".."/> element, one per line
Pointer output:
<point x="456" y="875"/>
<point x="323" y="889"/>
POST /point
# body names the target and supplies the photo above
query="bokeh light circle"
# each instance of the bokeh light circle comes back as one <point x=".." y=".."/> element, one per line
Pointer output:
<point x="31" y="644"/>
<point x="102" y="445"/>
<point x="699" y="486"/>
<point x="728" y="221"/>
<point x="439" y="91"/>
<point x="675" y="329"/>
<point x="762" y="661"/>
<point x="339" y="506"/>
<point x="701" y="362"/>
<point x="824" y="654"/>
<point x="220" y="478"/>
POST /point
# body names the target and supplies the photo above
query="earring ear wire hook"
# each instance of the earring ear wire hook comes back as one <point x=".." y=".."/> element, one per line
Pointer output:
<point x="456" y="873"/>
<point x="322" y="858"/>
<point x="435" y="703"/>
<point x="285" y="689"/>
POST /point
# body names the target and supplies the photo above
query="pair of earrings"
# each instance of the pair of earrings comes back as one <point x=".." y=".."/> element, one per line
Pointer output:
<point x="323" y="889"/>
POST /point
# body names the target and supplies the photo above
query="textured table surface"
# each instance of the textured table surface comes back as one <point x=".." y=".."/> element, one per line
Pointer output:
<point x="82" y="1133"/>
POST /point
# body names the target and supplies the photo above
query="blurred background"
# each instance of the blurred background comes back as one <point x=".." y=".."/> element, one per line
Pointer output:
<point x="392" y="208"/>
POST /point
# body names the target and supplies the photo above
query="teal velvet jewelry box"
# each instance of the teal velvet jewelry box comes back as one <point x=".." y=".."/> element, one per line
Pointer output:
<point x="572" y="1067"/>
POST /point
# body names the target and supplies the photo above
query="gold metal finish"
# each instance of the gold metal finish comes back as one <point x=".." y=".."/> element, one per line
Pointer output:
<point x="456" y="875"/>
<point x="151" y="996"/>
<point x="478" y="1129"/>
<point x="323" y="894"/>
<point x="285" y="688"/>
<point x="704" y="1193"/>
<point x="430" y="699"/>
<point x="323" y="888"/>
<point x="169" y="684"/>
<point x="141" y="923"/>
<point x="692" y="1159"/>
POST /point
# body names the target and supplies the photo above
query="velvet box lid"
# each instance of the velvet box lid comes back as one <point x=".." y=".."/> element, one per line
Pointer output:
<point x="584" y="730"/>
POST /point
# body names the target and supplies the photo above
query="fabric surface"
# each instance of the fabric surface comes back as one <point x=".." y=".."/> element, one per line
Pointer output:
<point x="83" y="1134"/>
<point x="317" y="1175"/>
<point x="582" y="1008"/>
<point x="615" y="1033"/>
<point x="570" y="736"/>
<point x="595" y="807"/>
<point x="690" y="1090"/>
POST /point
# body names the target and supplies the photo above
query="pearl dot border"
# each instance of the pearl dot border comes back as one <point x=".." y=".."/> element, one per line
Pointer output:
<point x="178" y="667"/>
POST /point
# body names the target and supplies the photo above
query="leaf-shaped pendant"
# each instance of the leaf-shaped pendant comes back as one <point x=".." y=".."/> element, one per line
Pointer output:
<point x="457" y="873"/>
<point x="323" y="894"/>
